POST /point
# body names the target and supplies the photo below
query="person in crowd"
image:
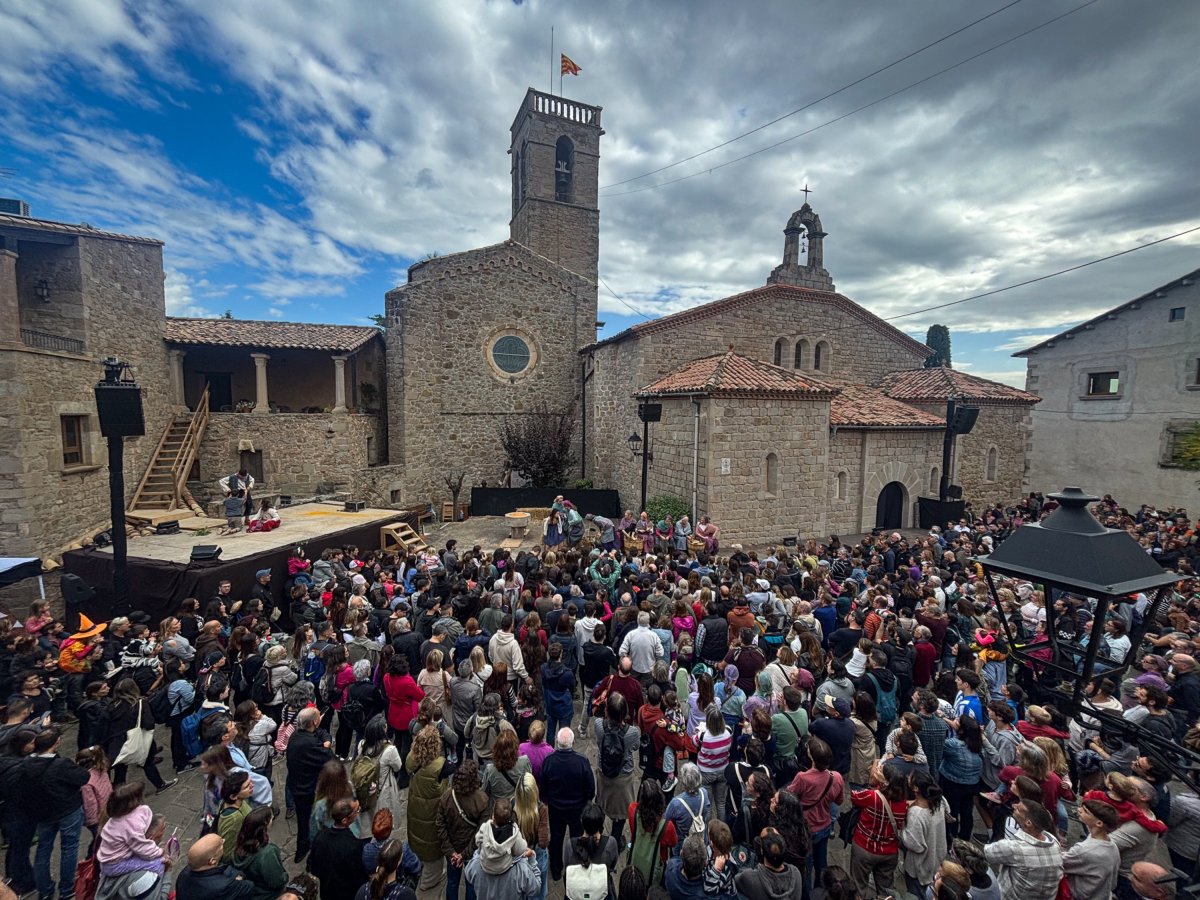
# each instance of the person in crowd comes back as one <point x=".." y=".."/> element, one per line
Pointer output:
<point x="307" y="752"/>
<point x="1029" y="864"/>
<point x="652" y="835"/>
<point x="773" y="878"/>
<point x="428" y="773"/>
<point x="569" y="786"/>
<point x="207" y="878"/>
<point x="461" y="811"/>
<point x="384" y="881"/>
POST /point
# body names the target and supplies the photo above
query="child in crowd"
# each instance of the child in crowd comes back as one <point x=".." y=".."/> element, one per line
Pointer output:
<point x="97" y="790"/>
<point x="721" y="868"/>
<point x="500" y="842"/>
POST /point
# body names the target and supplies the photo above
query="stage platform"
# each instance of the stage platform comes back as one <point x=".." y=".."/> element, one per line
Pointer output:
<point x="162" y="573"/>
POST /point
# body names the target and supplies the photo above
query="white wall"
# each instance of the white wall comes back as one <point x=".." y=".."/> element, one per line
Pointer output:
<point x="1116" y="444"/>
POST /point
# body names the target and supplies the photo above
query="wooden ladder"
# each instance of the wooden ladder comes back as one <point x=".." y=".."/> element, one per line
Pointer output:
<point x="162" y="485"/>
<point x="401" y="537"/>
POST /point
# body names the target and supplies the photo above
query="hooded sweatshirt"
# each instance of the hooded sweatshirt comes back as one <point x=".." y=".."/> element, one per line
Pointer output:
<point x="761" y="883"/>
<point x="499" y="846"/>
<point x="125" y="838"/>
<point x="504" y="648"/>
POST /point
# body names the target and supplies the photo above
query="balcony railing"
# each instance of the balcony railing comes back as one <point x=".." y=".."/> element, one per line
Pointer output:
<point x="44" y="341"/>
<point x="567" y="109"/>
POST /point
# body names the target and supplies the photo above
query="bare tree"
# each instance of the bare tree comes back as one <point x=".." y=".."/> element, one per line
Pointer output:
<point x="538" y="445"/>
<point x="454" y="481"/>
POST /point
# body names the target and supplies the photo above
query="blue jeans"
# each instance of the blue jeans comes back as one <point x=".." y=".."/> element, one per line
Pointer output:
<point x="542" y="857"/>
<point x="554" y="723"/>
<point x="818" y="857"/>
<point x="69" y="827"/>
<point x="454" y="874"/>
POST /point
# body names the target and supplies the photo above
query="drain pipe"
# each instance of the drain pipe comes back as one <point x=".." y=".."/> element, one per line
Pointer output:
<point x="695" y="462"/>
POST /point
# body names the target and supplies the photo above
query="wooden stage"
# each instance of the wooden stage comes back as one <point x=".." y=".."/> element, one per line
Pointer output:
<point x="301" y="523"/>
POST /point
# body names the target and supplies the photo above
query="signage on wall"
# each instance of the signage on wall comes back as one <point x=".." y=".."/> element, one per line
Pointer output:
<point x="724" y="465"/>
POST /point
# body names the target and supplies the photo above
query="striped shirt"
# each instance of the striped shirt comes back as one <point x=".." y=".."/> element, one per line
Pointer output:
<point x="713" y="750"/>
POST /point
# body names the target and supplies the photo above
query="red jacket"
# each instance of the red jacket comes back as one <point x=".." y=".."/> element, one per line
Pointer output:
<point x="404" y="696"/>
<point x="927" y="657"/>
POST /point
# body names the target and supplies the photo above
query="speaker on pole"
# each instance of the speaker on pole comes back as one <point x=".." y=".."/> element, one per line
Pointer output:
<point x="964" y="419"/>
<point x="650" y="412"/>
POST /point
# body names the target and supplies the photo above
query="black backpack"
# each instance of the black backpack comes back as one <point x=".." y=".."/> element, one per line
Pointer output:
<point x="260" y="691"/>
<point x="612" y="752"/>
<point x="354" y="715"/>
<point x="160" y="704"/>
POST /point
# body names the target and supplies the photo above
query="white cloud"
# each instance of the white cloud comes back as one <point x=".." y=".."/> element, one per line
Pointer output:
<point x="1023" y="341"/>
<point x="180" y="302"/>
<point x="275" y="312"/>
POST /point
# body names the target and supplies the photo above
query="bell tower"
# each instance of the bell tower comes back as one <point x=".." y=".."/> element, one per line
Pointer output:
<point x="555" y="178"/>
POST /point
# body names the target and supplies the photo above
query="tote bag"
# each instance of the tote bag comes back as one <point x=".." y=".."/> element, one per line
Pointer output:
<point x="138" y="741"/>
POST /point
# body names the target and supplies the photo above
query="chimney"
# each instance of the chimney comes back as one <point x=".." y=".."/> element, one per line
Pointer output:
<point x="13" y="207"/>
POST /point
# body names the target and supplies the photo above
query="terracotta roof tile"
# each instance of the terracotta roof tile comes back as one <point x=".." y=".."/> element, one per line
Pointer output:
<point x="747" y="298"/>
<point x="30" y="224"/>
<point x="282" y="335"/>
<point x="861" y="406"/>
<point x="941" y="383"/>
<point x="731" y="374"/>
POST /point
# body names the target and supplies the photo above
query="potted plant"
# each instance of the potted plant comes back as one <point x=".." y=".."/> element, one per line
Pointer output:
<point x="244" y="406"/>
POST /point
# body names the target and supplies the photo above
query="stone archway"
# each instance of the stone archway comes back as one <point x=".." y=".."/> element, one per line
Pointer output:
<point x="911" y="479"/>
<point x="891" y="506"/>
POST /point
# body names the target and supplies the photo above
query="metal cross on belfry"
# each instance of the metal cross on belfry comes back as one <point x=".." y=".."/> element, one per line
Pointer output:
<point x="805" y="191"/>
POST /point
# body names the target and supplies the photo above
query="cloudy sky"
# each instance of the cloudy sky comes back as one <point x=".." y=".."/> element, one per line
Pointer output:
<point x="296" y="156"/>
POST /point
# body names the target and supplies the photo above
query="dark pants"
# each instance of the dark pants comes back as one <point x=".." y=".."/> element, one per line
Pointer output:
<point x="454" y="874"/>
<point x="403" y="740"/>
<point x="20" y="832"/>
<point x="68" y="827"/>
<point x="560" y="821"/>
<point x="149" y="767"/>
<point x="179" y="755"/>
<point x="304" y="808"/>
<point x="344" y="738"/>
<point x="961" y="799"/>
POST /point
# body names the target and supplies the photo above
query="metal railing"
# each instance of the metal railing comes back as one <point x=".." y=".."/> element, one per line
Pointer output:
<point x="45" y="341"/>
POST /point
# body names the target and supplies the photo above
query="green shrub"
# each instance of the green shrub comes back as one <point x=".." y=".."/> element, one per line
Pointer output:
<point x="658" y="507"/>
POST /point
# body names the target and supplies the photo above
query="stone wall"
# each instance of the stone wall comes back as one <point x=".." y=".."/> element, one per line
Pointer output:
<point x="58" y="265"/>
<point x="446" y="398"/>
<point x="45" y="504"/>
<point x="744" y="432"/>
<point x="300" y="457"/>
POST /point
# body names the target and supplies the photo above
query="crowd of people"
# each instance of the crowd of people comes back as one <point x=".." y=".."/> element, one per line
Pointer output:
<point x="634" y="718"/>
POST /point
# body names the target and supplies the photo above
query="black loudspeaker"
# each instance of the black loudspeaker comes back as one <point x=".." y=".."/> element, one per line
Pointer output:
<point x="120" y="410"/>
<point x="202" y="552"/>
<point x="76" y="594"/>
<point x="964" y="419"/>
<point x="650" y="412"/>
<point x="954" y="491"/>
<point x="355" y="505"/>
<point x="166" y="528"/>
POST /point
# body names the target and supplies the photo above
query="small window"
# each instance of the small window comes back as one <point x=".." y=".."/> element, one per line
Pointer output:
<point x="771" y="484"/>
<point x="394" y="495"/>
<point x="993" y="463"/>
<point x="1196" y="373"/>
<point x="1102" y="384"/>
<point x="1177" y="314"/>
<point x="73" y="429"/>
<point x="801" y="347"/>
<point x="843" y="485"/>
<point x="564" y="167"/>
<point x="778" y="357"/>
<point x="822" y="357"/>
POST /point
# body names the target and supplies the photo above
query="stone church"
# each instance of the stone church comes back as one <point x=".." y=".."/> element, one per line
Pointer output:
<point x="814" y="414"/>
<point x="787" y="406"/>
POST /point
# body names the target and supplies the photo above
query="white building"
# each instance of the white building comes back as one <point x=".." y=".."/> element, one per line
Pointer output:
<point x="1118" y="391"/>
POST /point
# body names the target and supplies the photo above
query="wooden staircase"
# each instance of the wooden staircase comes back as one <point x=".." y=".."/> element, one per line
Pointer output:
<point x="161" y="490"/>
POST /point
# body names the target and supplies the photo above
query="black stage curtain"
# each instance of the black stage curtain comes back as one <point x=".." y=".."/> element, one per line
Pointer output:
<point x="498" y="501"/>
<point x="932" y="512"/>
<point x="160" y="587"/>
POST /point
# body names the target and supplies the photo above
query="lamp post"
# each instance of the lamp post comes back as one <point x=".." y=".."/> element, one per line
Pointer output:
<point x="647" y="412"/>
<point x="1071" y="553"/>
<point x="119" y="405"/>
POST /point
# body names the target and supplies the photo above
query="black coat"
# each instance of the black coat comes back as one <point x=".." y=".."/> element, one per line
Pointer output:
<point x="306" y="754"/>
<point x="121" y="717"/>
<point x="45" y="788"/>
<point x="336" y="859"/>
<point x="220" y="883"/>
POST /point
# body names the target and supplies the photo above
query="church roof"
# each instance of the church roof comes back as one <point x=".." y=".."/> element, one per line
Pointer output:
<point x="732" y="375"/>
<point x="861" y="406"/>
<point x="748" y="298"/>
<point x="1136" y="303"/>
<point x="281" y="335"/>
<point x="940" y="384"/>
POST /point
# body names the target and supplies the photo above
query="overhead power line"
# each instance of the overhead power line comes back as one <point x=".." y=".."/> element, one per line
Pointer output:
<point x="812" y="103"/>
<point x="624" y="301"/>
<point x="859" y="109"/>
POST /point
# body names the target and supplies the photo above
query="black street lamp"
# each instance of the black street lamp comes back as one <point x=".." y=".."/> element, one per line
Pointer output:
<point x="119" y="405"/>
<point x="1071" y="553"/>
<point x="647" y="412"/>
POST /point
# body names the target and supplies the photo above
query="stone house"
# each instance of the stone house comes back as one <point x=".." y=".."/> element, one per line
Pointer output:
<point x="1121" y="391"/>
<point x="70" y="296"/>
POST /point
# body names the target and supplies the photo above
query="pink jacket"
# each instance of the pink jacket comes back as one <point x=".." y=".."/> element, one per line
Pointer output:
<point x="95" y="796"/>
<point x="123" y="838"/>
<point x="341" y="681"/>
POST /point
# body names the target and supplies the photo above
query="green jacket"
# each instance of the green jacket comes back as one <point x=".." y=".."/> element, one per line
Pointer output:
<point x="264" y="870"/>
<point x="424" y="794"/>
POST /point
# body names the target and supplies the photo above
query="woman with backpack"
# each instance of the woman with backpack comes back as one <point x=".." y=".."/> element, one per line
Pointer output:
<point x="617" y="742"/>
<point x="864" y="750"/>
<point x="484" y="728"/>
<point x="460" y="812"/>
<point x="652" y="835"/>
<point x="377" y="747"/>
<point x="589" y="860"/>
<point x="692" y="807"/>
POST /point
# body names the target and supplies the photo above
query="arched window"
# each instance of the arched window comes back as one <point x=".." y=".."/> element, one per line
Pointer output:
<point x="779" y="352"/>
<point x="843" y="485"/>
<point x="771" y="479"/>
<point x="564" y="167"/>
<point x="935" y="481"/>
<point x="801" y="354"/>
<point x="823" y="357"/>
<point x="993" y="463"/>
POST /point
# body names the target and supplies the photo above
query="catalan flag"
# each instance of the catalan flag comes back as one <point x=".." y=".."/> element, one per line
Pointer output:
<point x="568" y="66"/>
